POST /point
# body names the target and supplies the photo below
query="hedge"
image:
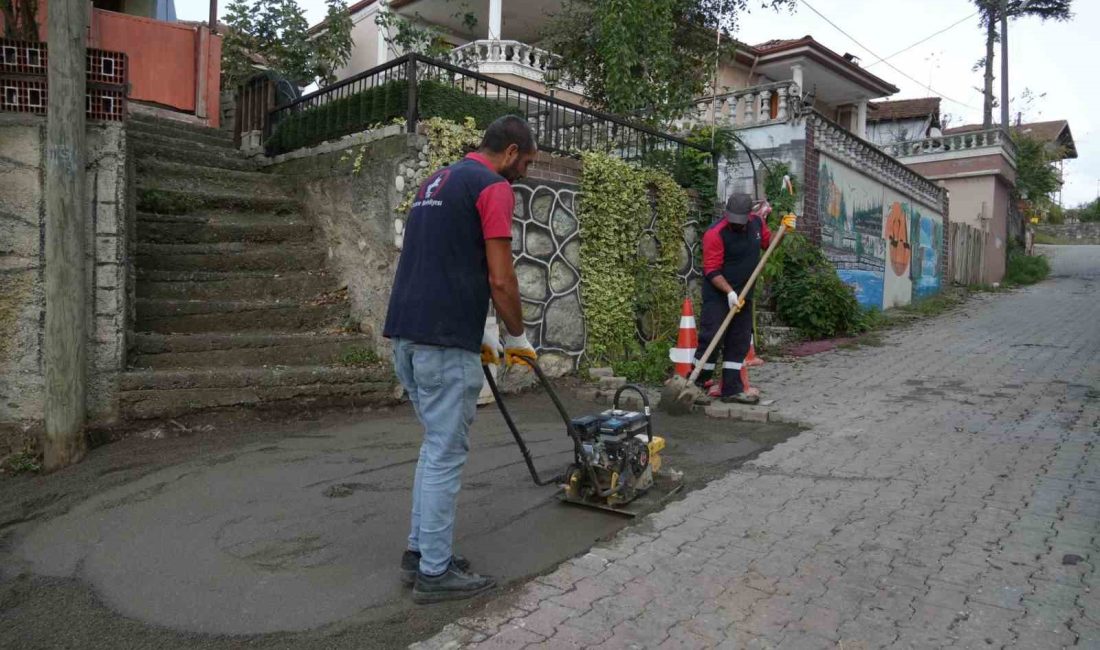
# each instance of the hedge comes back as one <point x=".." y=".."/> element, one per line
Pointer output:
<point x="379" y="105"/>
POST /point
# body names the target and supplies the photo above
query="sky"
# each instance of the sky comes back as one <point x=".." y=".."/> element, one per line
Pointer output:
<point x="1054" y="61"/>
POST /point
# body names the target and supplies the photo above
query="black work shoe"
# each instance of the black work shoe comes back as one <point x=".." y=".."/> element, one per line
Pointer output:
<point x="741" y="398"/>
<point x="410" y="565"/>
<point x="453" y="584"/>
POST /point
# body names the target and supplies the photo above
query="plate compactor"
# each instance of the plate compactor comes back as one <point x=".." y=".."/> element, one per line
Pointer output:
<point x="616" y="458"/>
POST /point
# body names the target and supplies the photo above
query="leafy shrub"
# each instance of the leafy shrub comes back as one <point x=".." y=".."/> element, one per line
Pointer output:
<point x="1025" y="269"/>
<point x="819" y="304"/>
<point x="811" y="297"/>
<point x="379" y="105"/>
<point x="648" y="364"/>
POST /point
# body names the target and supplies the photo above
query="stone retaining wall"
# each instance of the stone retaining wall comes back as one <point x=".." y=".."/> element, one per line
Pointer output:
<point x="22" y="268"/>
<point x="353" y="187"/>
<point x="1072" y="233"/>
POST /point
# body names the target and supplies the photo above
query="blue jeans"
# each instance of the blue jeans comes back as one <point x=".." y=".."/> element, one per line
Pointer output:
<point x="443" y="385"/>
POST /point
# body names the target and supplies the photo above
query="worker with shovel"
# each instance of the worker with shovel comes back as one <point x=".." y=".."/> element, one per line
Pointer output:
<point x="456" y="254"/>
<point x="731" y="251"/>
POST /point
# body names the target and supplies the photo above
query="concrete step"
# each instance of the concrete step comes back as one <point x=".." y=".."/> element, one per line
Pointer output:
<point x="220" y="227"/>
<point x="171" y="393"/>
<point x="162" y="147"/>
<point x="765" y="318"/>
<point x="230" y="256"/>
<point x="185" y="177"/>
<point x="194" y="316"/>
<point x="213" y="285"/>
<point x="222" y="350"/>
<point x="774" y="336"/>
<point x="144" y="124"/>
<point x="154" y="198"/>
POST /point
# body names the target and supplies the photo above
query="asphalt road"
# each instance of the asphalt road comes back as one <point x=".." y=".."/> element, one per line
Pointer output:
<point x="288" y="534"/>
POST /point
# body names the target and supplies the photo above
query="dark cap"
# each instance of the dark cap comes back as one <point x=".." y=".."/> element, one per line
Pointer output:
<point x="738" y="207"/>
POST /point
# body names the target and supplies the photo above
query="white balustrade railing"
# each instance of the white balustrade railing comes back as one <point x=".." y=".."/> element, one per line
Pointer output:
<point x="972" y="141"/>
<point x="506" y="57"/>
<point x="756" y="106"/>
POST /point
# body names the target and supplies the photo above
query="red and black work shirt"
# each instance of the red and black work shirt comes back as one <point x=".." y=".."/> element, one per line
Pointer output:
<point x="441" y="289"/>
<point x="733" y="254"/>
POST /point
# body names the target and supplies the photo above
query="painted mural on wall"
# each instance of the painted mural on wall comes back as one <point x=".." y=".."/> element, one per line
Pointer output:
<point x="883" y="244"/>
<point x="851" y="229"/>
<point x="897" y="286"/>
<point x="927" y="229"/>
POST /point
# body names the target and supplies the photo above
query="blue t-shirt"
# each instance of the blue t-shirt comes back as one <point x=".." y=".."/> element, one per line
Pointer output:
<point x="441" y="289"/>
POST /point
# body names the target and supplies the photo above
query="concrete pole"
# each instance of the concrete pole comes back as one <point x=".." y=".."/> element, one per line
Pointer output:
<point x="1004" y="65"/>
<point x="66" y="336"/>
<point x="861" y="118"/>
<point x="796" y="76"/>
<point x="494" y="19"/>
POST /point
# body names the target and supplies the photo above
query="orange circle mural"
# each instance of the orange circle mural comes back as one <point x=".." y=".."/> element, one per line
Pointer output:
<point x="897" y="234"/>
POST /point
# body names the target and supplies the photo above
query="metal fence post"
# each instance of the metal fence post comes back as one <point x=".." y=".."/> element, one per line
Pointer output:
<point x="412" y="112"/>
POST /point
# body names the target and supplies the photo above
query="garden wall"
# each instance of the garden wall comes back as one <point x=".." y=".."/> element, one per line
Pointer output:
<point x="352" y="189"/>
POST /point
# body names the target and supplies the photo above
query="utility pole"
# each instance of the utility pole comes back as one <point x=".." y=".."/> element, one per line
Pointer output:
<point x="1004" y="65"/>
<point x="66" y="337"/>
<point x="214" y="16"/>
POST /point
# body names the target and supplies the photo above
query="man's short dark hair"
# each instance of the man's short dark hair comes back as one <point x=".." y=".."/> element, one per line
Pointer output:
<point x="506" y="131"/>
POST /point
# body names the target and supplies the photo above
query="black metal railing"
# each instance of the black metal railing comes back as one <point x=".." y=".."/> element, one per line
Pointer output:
<point x="413" y="87"/>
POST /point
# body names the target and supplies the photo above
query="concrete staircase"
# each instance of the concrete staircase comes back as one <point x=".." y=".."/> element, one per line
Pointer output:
<point x="234" y="306"/>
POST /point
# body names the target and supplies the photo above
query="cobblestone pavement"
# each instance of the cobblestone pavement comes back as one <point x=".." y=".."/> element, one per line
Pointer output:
<point x="947" y="495"/>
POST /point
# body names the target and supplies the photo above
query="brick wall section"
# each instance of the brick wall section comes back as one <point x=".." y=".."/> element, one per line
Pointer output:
<point x="547" y="167"/>
<point x="945" y="254"/>
<point x="810" y="221"/>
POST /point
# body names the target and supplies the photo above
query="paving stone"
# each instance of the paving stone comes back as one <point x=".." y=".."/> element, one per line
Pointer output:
<point x="745" y="412"/>
<point x="895" y="519"/>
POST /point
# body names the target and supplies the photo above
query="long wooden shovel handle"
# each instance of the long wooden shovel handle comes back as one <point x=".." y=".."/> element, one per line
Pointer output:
<point x="733" y="312"/>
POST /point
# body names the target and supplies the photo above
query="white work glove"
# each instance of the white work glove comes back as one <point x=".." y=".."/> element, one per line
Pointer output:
<point x="732" y="297"/>
<point x="491" y="349"/>
<point x="518" y="348"/>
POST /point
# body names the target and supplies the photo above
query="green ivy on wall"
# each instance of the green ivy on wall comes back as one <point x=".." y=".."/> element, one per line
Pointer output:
<point x="660" y="291"/>
<point x="618" y="285"/>
<point x="448" y="142"/>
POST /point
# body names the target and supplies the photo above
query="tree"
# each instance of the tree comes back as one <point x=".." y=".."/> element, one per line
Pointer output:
<point x="990" y="15"/>
<point x="645" y="57"/>
<point x="275" y="35"/>
<point x="1036" y="178"/>
<point x="20" y="19"/>
<point x="404" y="36"/>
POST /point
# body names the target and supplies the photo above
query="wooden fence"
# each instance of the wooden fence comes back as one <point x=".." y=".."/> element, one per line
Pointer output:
<point x="967" y="254"/>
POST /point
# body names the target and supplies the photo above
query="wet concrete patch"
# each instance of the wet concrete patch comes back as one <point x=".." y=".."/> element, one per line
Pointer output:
<point x="296" y="544"/>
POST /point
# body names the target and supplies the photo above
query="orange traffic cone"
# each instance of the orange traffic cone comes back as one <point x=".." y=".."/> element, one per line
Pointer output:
<point x="683" y="355"/>
<point x="751" y="359"/>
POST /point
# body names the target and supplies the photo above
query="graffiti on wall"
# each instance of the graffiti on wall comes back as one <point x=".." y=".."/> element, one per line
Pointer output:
<point x="884" y="245"/>
<point x="851" y="229"/>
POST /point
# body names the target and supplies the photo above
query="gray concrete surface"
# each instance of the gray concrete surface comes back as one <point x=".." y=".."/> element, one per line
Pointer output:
<point x="22" y="292"/>
<point x="290" y="535"/>
<point x="947" y="495"/>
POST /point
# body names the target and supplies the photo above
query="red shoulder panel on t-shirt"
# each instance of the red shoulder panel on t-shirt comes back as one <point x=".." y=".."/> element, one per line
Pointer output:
<point x="495" y="205"/>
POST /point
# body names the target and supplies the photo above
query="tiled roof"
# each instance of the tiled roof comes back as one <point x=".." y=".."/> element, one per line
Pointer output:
<point x="904" y="109"/>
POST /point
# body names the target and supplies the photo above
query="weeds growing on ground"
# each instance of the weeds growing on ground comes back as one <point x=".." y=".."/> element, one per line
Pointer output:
<point x="358" y="356"/>
<point x="24" y="462"/>
<point x="1025" y="269"/>
<point x="649" y="365"/>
